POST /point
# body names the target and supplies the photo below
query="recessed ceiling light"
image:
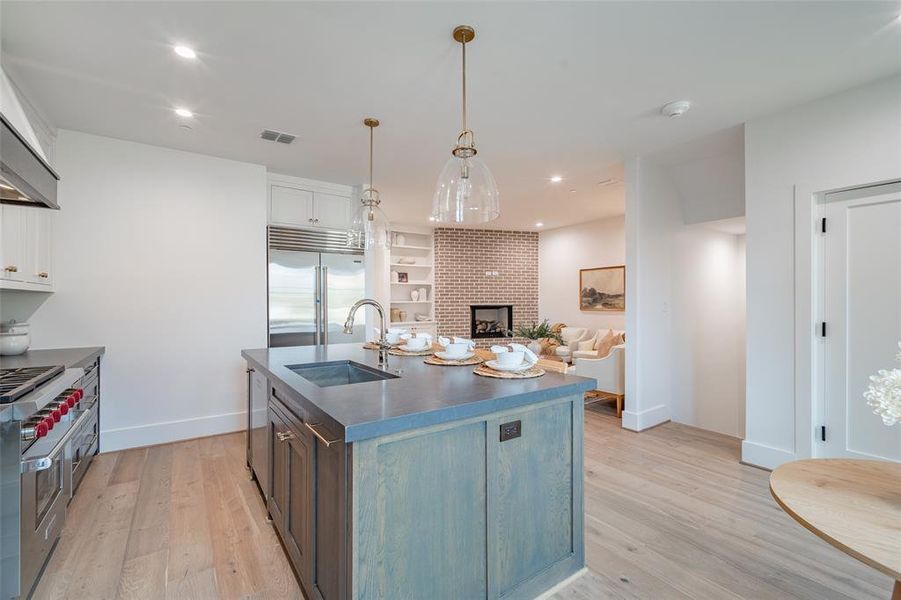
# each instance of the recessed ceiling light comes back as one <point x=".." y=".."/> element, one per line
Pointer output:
<point x="431" y="218"/>
<point x="556" y="179"/>
<point x="185" y="52"/>
<point x="572" y="191"/>
<point x="184" y="112"/>
<point x="539" y="224"/>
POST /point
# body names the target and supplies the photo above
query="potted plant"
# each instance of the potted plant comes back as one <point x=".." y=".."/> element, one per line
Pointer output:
<point x="535" y="332"/>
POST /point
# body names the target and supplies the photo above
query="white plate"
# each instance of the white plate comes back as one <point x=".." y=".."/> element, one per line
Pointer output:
<point x="445" y="356"/>
<point x="406" y="348"/>
<point x="494" y="365"/>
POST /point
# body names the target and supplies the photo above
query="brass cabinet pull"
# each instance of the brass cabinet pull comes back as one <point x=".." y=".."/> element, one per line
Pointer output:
<point x="43" y="275"/>
<point x="12" y="269"/>
<point x="285" y="435"/>
<point x="312" y="427"/>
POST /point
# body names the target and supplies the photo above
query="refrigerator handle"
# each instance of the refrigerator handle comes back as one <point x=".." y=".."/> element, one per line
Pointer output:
<point x="317" y="302"/>
<point x="324" y="306"/>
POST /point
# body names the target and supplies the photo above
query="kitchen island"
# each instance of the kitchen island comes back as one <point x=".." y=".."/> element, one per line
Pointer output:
<point x="420" y="481"/>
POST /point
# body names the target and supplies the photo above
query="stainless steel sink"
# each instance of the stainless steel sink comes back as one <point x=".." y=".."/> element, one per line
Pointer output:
<point x="341" y="372"/>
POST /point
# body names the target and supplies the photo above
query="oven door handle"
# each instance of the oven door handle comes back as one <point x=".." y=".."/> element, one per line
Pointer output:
<point x="42" y="463"/>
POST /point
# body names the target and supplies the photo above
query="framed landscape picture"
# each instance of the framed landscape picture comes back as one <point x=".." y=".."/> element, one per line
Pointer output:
<point x="602" y="289"/>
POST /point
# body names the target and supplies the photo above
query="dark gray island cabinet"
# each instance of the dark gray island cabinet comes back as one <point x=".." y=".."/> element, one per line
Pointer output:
<point x="430" y="483"/>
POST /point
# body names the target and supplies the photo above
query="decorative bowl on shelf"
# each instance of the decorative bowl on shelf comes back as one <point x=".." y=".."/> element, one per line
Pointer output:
<point x="406" y="260"/>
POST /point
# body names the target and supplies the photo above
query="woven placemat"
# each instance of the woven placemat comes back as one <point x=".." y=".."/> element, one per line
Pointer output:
<point x="399" y="352"/>
<point x="441" y="362"/>
<point x="486" y="371"/>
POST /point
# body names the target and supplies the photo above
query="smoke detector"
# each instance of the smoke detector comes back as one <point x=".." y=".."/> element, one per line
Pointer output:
<point x="277" y="136"/>
<point x="676" y="109"/>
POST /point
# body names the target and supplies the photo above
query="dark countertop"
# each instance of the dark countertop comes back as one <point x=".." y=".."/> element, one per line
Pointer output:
<point x="68" y="357"/>
<point x="424" y="394"/>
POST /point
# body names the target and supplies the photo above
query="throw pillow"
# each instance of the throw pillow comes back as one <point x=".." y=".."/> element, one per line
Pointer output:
<point x="601" y="337"/>
<point x="606" y="343"/>
<point x="588" y="345"/>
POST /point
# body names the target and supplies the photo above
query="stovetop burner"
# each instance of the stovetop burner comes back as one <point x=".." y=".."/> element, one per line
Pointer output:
<point x="15" y="383"/>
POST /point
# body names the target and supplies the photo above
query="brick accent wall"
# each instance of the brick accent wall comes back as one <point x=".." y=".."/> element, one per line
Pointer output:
<point x="462" y="259"/>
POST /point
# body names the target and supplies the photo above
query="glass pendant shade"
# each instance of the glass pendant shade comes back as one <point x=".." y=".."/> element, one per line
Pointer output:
<point x="465" y="193"/>
<point x="370" y="227"/>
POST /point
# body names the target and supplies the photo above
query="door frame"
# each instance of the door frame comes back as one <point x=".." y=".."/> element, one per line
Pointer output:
<point x="808" y="200"/>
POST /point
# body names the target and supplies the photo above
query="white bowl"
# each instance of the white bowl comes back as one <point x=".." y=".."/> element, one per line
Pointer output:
<point x="493" y="364"/>
<point x="14" y="343"/>
<point x="510" y="359"/>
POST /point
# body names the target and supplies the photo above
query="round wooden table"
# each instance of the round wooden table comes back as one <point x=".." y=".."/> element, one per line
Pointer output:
<point x="855" y="505"/>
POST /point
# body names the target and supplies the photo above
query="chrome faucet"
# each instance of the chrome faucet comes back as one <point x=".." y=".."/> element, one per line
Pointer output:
<point x="383" y="344"/>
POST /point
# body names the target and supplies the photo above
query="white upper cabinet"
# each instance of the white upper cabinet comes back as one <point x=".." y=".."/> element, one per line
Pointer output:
<point x="26" y="248"/>
<point x="290" y="206"/>
<point x="297" y="202"/>
<point x="12" y="243"/>
<point x="331" y="211"/>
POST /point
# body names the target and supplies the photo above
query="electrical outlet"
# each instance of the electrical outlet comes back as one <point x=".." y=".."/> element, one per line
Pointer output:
<point x="511" y="430"/>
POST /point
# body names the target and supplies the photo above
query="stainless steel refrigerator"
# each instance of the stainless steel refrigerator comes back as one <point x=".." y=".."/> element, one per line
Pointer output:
<point x="313" y="282"/>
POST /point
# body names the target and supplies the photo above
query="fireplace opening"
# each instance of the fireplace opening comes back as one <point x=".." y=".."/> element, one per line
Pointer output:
<point x="490" y="320"/>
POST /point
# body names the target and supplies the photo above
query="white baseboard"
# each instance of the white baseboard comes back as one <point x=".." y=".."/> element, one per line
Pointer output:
<point x="550" y="592"/>
<point x="170" y="431"/>
<point x="637" y="421"/>
<point x="764" y="456"/>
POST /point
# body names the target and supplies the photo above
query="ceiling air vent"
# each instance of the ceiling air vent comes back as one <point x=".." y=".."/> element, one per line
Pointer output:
<point x="277" y="136"/>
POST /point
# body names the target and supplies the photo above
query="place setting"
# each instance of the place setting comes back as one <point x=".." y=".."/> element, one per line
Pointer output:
<point x="511" y="362"/>
<point x="394" y="336"/>
<point x="411" y="344"/>
<point x="458" y="352"/>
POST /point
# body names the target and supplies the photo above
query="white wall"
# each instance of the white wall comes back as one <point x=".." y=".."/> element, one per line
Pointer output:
<point x="160" y="256"/>
<point x="685" y="310"/>
<point x="708" y="320"/>
<point x="653" y="214"/>
<point x="561" y="253"/>
<point x="845" y="140"/>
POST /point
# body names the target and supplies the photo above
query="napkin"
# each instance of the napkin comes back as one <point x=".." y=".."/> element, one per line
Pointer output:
<point x="530" y="356"/>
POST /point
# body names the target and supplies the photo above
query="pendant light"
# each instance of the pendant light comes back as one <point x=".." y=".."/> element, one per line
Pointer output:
<point x="370" y="227"/>
<point x="466" y="191"/>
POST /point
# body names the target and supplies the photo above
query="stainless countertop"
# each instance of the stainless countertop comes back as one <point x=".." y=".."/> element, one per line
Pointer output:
<point x="68" y="357"/>
<point x="424" y="394"/>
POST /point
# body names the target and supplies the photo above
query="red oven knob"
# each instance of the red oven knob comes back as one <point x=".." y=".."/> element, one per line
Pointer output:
<point x="48" y="421"/>
<point x="40" y="429"/>
<point x="71" y="400"/>
<point x="63" y="407"/>
<point x="57" y="415"/>
<point x="80" y="393"/>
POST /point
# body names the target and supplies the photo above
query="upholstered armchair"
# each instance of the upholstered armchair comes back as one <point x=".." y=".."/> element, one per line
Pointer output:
<point x="571" y="338"/>
<point x="610" y="373"/>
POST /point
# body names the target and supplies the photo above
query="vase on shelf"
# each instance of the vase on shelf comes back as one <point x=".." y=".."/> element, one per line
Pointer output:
<point x="400" y="240"/>
<point x="423" y="294"/>
<point x="414" y="295"/>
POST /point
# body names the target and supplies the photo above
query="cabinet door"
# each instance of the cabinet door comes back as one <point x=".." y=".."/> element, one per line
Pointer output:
<point x="299" y="518"/>
<point x="39" y="235"/>
<point x="277" y="499"/>
<point x="290" y="206"/>
<point x="331" y="211"/>
<point x="12" y="243"/>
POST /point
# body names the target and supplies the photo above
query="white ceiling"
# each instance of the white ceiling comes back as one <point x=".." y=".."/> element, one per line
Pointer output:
<point x="555" y="88"/>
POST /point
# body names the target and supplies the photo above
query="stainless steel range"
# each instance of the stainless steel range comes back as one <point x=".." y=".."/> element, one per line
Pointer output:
<point x="49" y="432"/>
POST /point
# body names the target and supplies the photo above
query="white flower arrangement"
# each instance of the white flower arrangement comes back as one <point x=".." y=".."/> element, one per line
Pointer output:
<point x="884" y="393"/>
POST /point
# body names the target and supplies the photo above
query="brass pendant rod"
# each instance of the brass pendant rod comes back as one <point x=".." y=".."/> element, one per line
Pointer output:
<point x="370" y="156"/>
<point x="464" y="83"/>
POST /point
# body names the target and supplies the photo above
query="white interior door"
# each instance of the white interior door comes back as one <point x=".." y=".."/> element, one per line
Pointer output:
<point x="861" y="304"/>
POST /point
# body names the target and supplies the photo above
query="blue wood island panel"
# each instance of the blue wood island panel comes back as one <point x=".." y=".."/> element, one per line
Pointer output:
<point x="450" y="511"/>
<point x="430" y="510"/>
<point x="532" y="495"/>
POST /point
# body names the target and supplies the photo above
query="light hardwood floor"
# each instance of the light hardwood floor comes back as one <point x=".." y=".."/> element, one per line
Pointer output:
<point x="670" y="513"/>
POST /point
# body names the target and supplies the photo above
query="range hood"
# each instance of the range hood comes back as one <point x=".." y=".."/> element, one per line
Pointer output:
<point x="25" y="178"/>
